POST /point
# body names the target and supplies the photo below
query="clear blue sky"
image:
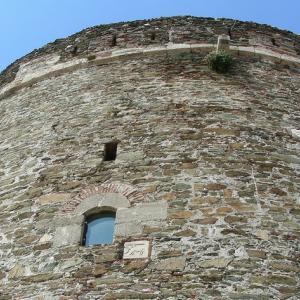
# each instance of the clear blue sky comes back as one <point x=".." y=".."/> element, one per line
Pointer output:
<point x="29" y="24"/>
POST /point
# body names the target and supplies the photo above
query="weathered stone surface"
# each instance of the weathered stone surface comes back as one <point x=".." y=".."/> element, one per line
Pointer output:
<point x="242" y="296"/>
<point x="129" y="295"/>
<point x="67" y="235"/>
<point x="170" y="264"/>
<point x="142" y="213"/>
<point x="262" y="234"/>
<point x="203" y="201"/>
<point x="235" y="219"/>
<point x="181" y="215"/>
<point x="277" y="191"/>
<point x="131" y="156"/>
<point x="169" y="253"/>
<point x="106" y="256"/>
<point x="2" y="275"/>
<point x="206" y="221"/>
<point x="53" y="198"/>
<point x="222" y="131"/>
<point x="128" y="229"/>
<point x="215" y="263"/>
<point x="285" y="267"/>
<point x="257" y="253"/>
<point x="273" y="279"/>
<point x="16" y="272"/>
<point x="100" y="269"/>
<point x="186" y="233"/>
<point x="224" y="210"/>
<point x="206" y="169"/>
<point x="134" y="266"/>
<point x="41" y="277"/>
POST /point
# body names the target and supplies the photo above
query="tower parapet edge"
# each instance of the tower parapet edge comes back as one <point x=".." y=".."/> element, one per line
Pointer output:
<point x="198" y="169"/>
<point x="148" y="33"/>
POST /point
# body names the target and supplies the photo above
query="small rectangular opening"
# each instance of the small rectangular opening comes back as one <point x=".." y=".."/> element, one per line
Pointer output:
<point x="110" y="151"/>
<point x="114" y="40"/>
<point x="153" y="36"/>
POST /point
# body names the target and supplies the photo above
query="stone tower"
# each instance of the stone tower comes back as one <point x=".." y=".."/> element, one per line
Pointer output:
<point x="201" y="169"/>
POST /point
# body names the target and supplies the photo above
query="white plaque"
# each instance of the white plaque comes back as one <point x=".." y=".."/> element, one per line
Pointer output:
<point x="136" y="249"/>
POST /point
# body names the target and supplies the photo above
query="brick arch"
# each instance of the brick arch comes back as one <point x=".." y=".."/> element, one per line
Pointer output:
<point x="132" y="194"/>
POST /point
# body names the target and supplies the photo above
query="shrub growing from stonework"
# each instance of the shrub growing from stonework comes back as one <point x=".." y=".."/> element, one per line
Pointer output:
<point x="220" y="61"/>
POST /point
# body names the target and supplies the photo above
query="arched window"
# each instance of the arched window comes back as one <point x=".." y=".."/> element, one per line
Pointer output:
<point x="99" y="228"/>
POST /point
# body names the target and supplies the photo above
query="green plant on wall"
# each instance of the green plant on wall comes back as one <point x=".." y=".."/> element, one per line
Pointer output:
<point x="220" y="61"/>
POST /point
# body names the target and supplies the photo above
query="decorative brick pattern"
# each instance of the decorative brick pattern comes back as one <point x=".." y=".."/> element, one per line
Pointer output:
<point x="133" y="194"/>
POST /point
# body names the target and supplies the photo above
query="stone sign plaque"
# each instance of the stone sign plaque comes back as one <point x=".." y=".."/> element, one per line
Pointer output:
<point x="136" y="249"/>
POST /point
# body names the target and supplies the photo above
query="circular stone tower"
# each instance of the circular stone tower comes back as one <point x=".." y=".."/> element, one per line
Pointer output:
<point x="200" y="170"/>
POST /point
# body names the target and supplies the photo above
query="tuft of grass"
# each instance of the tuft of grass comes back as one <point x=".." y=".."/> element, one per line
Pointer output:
<point x="219" y="61"/>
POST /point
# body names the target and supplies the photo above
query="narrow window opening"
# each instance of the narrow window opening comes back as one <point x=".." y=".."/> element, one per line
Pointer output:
<point x="153" y="36"/>
<point x="110" y="151"/>
<point x="74" y="50"/>
<point x="273" y="42"/>
<point x="114" y="40"/>
<point x="99" y="229"/>
<point x="229" y="33"/>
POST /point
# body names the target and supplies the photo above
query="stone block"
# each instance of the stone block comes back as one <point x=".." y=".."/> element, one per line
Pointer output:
<point x="2" y="275"/>
<point x="106" y="256"/>
<point x="64" y="220"/>
<point x="99" y="270"/>
<point x="257" y="253"/>
<point x="235" y="219"/>
<point x="135" y="265"/>
<point x="206" y="221"/>
<point x="170" y="264"/>
<point x="169" y="253"/>
<point x="128" y="229"/>
<point x="67" y="235"/>
<point x="223" y="210"/>
<point x="53" y="198"/>
<point x="144" y="212"/>
<point x="42" y="277"/>
<point x="285" y="267"/>
<point x="45" y="238"/>
<point x="273" y="279"/>
<point x="219" y="131"/>
<point x="215" y="263"/>
<point x="16" y="272"/>
<point x="205" y="201"/>
<point x="183" y="214"/>
<point x="295" y="133"/>
<point x="186" y="233"/>
<point x="131" y="156"/>
<point x="215" y="186"/>
<point x="262" y="234"/>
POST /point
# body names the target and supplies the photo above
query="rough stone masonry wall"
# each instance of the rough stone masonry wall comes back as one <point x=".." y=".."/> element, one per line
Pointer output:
<point x="145" y="33"/>
<point x="221" y="150"/>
